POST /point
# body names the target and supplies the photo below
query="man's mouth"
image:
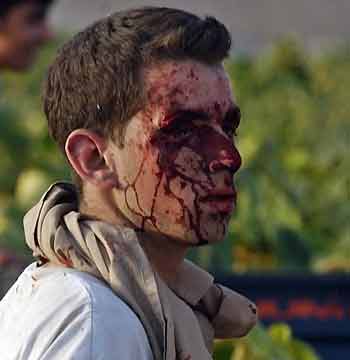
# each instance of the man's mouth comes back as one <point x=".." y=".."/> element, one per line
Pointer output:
<point x="220" y="201"/>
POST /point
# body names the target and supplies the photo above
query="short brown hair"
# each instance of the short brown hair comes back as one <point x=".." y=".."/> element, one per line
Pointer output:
<point x="95" y="81"/>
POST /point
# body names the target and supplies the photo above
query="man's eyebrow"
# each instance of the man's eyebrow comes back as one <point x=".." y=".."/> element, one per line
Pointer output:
<point x="186" y="115"/>
<point x="233" y="115"/>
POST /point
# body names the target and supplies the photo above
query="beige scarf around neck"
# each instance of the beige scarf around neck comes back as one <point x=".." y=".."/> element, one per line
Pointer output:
<point x="176" y="328"/>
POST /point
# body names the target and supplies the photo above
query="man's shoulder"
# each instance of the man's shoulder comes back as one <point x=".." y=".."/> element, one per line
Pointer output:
<point x="71" y="307"/>
<point x="58" y="286"/>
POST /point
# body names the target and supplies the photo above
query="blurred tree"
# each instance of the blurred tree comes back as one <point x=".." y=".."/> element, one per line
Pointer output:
<point x="275" y="343"/>
<point x="30" y="161"/>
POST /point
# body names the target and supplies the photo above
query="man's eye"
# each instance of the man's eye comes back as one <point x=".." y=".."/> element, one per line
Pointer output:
<point x="231" y="121"/>
<point x="182" y="131"/>
<point x="229" y="129"/>
<point x="178" y="130"/>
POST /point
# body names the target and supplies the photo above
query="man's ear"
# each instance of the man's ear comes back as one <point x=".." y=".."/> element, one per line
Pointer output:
<point x="85" y="151"/>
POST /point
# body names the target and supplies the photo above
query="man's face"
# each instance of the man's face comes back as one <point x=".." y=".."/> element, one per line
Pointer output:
<point x="176" y="168"/>
<point x="22" y="31"/>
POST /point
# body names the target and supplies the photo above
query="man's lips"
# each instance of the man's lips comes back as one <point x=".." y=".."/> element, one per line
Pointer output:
<point x="222" y="201"/>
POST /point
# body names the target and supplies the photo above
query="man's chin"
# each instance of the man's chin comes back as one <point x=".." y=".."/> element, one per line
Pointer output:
<point x="194" y="237"/>
<point x="211" y="238"/>
<point x="215" y="230"/>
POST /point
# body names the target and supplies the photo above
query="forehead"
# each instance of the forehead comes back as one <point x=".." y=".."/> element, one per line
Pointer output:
<point x="188" y="84"/>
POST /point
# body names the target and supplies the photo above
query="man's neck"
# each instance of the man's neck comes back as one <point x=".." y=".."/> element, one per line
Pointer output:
<point x="164" y="254"/>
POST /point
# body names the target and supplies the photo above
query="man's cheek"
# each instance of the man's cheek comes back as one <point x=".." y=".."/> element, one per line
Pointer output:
<point x="176" y="207"/>
<point x="171" y="203"/>
<point x="146" y="182"/>
<point x="189" y="165"/>
<point x="183" y="192"/>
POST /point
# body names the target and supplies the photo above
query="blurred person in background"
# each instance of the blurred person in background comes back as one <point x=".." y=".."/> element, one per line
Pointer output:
<point x="23" y="30"/>
<point x="143" y="109"/>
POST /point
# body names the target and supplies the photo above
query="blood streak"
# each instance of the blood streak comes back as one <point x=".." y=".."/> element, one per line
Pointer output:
<point x="142" y="213"/>
<point x="214" y="145"/>
<point x="65" y="258"/>
<point x="151" y="217"/>
<point x="132" y="186"/>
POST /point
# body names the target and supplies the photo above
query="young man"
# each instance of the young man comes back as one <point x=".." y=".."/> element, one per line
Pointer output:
<point x="142" y="108"/>
<point x="23" y="29"/>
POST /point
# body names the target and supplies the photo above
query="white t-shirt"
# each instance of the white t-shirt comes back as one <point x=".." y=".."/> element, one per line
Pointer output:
<point x="56" y="313"/>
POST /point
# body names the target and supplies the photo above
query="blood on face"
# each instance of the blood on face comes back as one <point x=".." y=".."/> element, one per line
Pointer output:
<point x="185" y="154"/>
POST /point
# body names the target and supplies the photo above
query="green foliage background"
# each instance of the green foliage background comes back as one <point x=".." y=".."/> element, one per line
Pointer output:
<point x="275" y="343"/>
<point x="29" y="159"/>
<point x="294" y="187"/>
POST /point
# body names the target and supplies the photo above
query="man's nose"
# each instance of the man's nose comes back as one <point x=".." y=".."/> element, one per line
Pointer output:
<point x="226" y="159"/>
